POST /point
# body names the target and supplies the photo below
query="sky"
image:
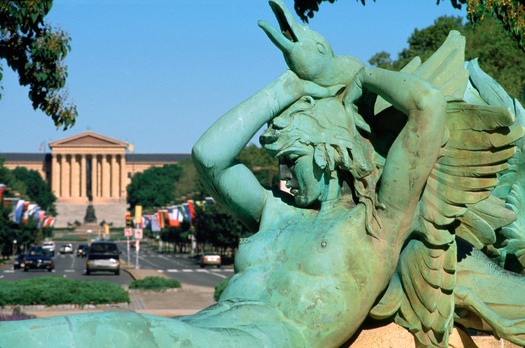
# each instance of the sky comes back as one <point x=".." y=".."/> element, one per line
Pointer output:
<point x="157" y="73"/>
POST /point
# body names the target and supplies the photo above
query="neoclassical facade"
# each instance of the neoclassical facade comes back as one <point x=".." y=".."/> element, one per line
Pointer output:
<point x="89" y="169"/>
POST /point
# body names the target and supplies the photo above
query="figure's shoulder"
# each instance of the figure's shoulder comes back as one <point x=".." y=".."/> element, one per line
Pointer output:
<point x="278" y="200"/>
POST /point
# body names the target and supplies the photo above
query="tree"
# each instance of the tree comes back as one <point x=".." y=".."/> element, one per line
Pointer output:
<point x="186" y="187"/>
<point x="510" y="13"/>
<point x="155" y="187"/>
<point x="498" y="53"/>
<point x="214" y="225"/>
<point x="29" y="185"/>
<point x="264" y="166"/>
<point x="36" y="189"/>
<point x="36" y="52"/>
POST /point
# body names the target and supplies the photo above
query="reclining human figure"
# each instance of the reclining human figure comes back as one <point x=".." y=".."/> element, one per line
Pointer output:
<point x="325" y="257"/>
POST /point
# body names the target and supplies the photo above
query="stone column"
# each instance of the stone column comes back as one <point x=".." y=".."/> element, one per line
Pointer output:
<point x="83" y="174"/>
<point x="122" y="181"/>
<point x="94" y="179"/>
<point x="55" y="176"/>
<point x="66" y="177"/>
<point x="114" y="176"/>
<point x="63" y="176"/>
<point x="75" y="177"/>
<point x="106" y="176"/>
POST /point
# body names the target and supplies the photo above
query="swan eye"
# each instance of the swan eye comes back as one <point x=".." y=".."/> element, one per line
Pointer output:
<point x="321" y="48"/>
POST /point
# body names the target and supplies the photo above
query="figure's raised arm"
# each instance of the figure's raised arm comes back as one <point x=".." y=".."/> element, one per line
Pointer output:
<point x="230" y="182"/>
<point x="415" y="150"/>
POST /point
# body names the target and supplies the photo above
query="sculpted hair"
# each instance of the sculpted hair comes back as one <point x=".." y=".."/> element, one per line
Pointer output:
<point x="329" y="128"/>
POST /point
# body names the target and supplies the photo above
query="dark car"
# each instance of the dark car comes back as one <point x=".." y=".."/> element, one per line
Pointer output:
<point x="19" y="261"/>
<point x="103" y="256"/>
<point x="82" y="250"/>
<point x="38" y="258"/>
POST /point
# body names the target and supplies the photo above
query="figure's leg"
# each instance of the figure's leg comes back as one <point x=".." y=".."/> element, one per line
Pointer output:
<point x="488" y="298"/>
<point x="119" y="329"/>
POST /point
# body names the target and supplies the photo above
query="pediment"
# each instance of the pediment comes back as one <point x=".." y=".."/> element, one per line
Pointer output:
<point x="88" y="139"/>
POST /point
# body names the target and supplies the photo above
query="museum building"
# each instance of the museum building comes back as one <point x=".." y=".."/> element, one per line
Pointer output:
<point x="89" y="170"/>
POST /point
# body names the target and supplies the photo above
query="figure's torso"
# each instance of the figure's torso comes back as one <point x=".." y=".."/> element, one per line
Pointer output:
<point x="318" y="269"/>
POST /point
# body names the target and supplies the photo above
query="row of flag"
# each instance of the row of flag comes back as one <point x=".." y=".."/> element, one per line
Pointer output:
<point x="172" y="216"/>
<point x="22" y="211"/>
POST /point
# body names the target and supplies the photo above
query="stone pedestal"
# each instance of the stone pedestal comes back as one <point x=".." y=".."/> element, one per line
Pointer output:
<point x="90" y="215"/>
<point x="394" y="336"/>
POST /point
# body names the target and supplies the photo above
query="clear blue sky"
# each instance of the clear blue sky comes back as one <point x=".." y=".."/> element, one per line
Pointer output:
<point x="158" y="73"/>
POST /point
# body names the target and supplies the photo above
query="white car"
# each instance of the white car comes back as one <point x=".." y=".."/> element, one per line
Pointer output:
<point x="66" y="249"/>
<point x="49" y="246"/>
<point x="210" y="259"/>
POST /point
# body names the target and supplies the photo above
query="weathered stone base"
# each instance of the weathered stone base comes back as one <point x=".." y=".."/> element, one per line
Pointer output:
<point x="69" y="213"/>
<point x="394" y="336"/>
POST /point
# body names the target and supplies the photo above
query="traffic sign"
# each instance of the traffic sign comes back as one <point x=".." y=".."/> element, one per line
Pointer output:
<point x="138" y="233"/>
<point x="128" y="232"/>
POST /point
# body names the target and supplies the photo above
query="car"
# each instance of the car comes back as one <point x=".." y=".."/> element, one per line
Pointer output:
<point x="210" y="259"/>
<point x="66" y="248"/>
<point x="103" y="256"/>
<point x="82" y="250"/>
<point x="19" y="261"/>
<point x="38" y="258"/>
<point x="49" y="246"/>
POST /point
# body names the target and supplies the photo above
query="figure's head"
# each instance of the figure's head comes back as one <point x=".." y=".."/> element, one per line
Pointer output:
<point x="314" y="139"/>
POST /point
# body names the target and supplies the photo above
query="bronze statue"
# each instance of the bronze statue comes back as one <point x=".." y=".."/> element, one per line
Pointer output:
<point x="391" y="178"/>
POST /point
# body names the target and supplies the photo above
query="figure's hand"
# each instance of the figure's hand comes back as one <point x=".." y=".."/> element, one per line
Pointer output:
<point x="299" y="87"/>
<point x="355" y="90"/>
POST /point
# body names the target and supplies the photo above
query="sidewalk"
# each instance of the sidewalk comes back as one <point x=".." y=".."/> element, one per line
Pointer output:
<point x="186" y="300"/>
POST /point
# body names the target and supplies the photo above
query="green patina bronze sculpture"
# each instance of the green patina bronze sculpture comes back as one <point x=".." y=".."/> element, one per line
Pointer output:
<point x="396" y="179"/>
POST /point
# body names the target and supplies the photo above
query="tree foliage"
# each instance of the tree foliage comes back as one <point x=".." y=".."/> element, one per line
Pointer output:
<point x="215" y="226"/>
<point x="29" y="185"/>
<point x="497" y="52"/>
<point x="36" y="52"/>
<point x="510" y="13"/>
<point x="186" y="186"/>
<point x="264" y="166"/>
<point x="155" y="187"/>
<point x="36" y="189"/>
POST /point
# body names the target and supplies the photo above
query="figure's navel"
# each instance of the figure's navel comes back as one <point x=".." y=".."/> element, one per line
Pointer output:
<point x="322" y="246"/>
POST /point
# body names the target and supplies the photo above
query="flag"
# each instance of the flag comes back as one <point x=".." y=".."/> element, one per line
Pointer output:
<point x="32" y="211"/>
<point x="191" y="208"/>
<point x="41" y="147"/>
<point x="25" y="212"/>
<point x="131" y="149"/>
<point x="165" y="218"/>
<point x="160" y="219"/>
<point x="146" y="221"/>
<point x="49" y="221"/>
<point x="18" y="209"/>
<point x="172" y="217"/>
<point x="155" y="226"/>
<point x="2" y="188"/>
<point x="181" y="216"/>
<point x="187" y="211"/>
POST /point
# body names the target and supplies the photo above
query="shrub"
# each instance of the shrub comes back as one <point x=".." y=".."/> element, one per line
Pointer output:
<point x="57" y="290"/>
<point x="219" y="288"/>
<point x="154" y="283"/>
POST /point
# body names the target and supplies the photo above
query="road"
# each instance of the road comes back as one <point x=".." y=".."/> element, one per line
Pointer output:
<point x="176" y="266"/>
